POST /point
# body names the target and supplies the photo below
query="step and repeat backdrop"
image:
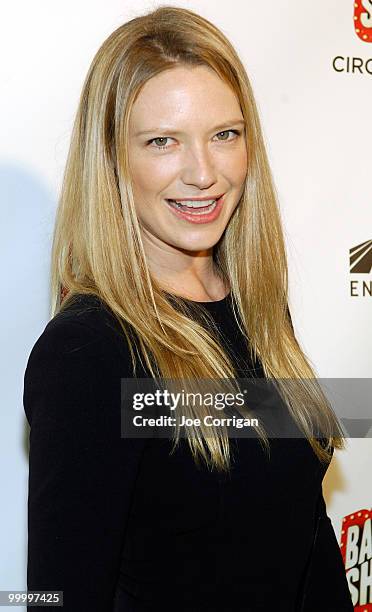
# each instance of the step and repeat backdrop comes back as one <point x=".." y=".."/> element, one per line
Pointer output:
<point x="310" y="65"/>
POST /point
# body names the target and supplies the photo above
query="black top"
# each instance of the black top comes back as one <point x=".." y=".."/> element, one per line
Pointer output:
<point x="112" y="518"/>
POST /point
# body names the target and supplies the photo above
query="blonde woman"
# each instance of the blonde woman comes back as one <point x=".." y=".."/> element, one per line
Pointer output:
<point x="169" y="262"/>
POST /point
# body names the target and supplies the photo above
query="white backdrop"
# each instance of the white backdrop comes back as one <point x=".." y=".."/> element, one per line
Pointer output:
<point x="316" y="119"/>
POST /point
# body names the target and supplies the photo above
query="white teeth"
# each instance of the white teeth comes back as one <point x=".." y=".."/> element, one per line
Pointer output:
<point x="205" y="210"/>
<point x="194" y="204"/>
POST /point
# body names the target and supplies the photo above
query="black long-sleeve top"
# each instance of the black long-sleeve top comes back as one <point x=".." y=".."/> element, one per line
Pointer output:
<point x="109" y="516"/>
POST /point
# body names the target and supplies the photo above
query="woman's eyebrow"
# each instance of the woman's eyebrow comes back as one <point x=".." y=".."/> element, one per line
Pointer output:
<point x="172" y="131"/>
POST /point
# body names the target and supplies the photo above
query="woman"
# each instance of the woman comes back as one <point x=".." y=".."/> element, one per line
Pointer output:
<point x="169" y="256"/>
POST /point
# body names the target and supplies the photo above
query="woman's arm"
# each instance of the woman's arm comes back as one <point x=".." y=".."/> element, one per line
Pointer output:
<point x="326" y="588"/>
<point x="81" y="472"/>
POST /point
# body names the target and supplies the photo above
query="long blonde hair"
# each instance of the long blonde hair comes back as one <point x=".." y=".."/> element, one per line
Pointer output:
<point x="97" y="246"/>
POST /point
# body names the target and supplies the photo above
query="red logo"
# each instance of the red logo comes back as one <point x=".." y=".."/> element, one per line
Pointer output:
<point x="356" y="549"/>
<point x="363" y="19"/>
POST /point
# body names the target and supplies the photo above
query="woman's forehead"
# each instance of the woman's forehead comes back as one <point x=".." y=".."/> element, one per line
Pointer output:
<point x="169" y="99"/>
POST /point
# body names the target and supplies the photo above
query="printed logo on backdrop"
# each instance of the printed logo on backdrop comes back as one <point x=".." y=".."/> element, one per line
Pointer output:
<point x="356" y="550"/>
<point x="361" y="264"/>
<point x="363" y="19"/>
<point x="362" y="25"/>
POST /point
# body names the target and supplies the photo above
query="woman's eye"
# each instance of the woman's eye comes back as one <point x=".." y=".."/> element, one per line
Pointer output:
<point x="159" y="138"/>
<point x="236" y="132"/>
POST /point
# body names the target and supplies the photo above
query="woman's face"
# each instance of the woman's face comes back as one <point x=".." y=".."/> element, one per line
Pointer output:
<point x="194" y="147"/>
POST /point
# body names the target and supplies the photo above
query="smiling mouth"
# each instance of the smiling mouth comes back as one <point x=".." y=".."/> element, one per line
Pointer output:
<point x="195" y="207"/>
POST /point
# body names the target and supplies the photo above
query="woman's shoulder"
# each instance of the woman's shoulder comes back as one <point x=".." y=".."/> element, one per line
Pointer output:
<point x="85" y="334"/>
<point x="80" y="347"/>
<point x="86" y="321"/>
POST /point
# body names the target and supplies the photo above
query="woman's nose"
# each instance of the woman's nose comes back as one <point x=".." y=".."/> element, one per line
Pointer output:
<point x="199" y="168"/>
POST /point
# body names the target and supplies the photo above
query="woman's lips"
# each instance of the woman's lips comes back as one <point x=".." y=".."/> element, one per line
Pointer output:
<point x="196" y="215"/>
